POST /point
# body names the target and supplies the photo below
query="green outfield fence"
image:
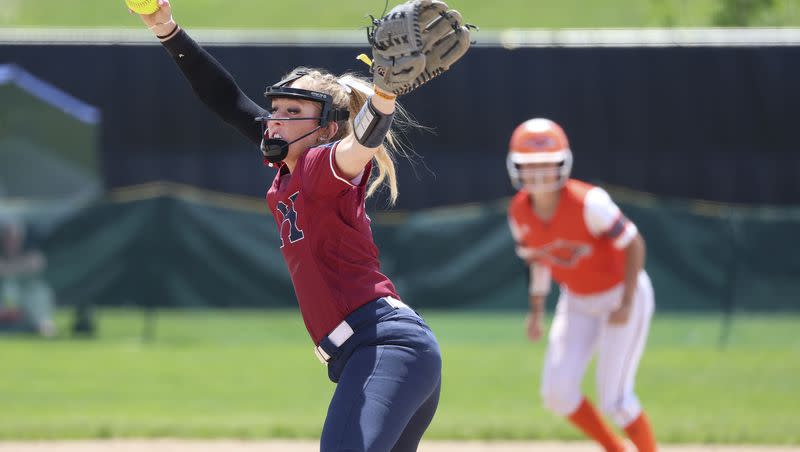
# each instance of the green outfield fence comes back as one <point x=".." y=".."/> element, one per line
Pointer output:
<point x="169" y="245"/>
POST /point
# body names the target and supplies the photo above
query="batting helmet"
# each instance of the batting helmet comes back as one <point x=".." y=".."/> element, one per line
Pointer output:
<point x="539" y="158"/>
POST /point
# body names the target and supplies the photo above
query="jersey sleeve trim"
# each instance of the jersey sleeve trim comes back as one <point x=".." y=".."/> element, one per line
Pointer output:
<point x="333" y="166"/>
<point x="336" y="174"/>
<point x="628" y="234"/>
<point x="616" y="228"/>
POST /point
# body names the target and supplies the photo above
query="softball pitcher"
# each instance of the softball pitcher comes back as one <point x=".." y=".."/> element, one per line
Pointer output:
<point x="573" y="232"/>
<point x="326" y="135"/>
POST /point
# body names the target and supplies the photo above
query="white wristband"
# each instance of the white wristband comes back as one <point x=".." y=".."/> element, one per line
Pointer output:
<point x="158" y="24"/>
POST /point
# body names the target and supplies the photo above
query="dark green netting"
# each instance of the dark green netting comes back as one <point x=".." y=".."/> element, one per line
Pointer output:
<point x="174" y="248"/>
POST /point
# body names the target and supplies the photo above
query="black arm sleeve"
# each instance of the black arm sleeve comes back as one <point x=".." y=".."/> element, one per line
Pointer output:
<point x="215" y="86"/>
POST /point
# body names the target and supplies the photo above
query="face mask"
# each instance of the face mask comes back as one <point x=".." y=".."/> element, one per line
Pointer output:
<point x="276" y="149"/>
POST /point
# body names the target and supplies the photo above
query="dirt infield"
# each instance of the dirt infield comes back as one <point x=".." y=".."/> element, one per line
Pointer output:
<point x="177" y="445"/>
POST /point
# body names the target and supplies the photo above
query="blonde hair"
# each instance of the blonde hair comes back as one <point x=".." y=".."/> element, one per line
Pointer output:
<point x="345" y="93"/>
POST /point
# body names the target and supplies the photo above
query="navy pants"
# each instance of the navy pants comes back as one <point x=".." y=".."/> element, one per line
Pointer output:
<point x="389" y="376"/>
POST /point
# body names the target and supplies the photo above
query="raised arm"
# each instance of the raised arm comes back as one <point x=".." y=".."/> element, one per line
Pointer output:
<point x="358" y="148"/>
<point x="212" y="84"/>
<point x="415" y="42"/>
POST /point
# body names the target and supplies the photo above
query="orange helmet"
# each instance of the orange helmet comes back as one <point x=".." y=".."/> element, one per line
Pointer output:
<point x="538" y="141"/>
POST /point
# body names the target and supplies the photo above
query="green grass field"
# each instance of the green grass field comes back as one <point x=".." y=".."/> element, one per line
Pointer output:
<point x="253" y="375"/>
<point x="348" y="14"/>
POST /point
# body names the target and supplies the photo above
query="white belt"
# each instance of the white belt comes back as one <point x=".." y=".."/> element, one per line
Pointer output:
<point x="344" y="331"/>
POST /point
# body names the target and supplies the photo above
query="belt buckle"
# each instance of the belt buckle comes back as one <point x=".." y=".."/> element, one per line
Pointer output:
<point x="321" y="355"/>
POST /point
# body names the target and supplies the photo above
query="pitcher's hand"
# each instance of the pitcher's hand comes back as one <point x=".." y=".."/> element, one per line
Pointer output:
<point x="160" y="22"/>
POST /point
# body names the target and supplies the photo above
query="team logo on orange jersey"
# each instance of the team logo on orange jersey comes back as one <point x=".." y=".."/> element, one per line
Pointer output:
<point x="560" y="252"/>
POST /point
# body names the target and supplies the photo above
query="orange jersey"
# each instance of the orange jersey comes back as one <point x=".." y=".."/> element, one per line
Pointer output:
<point x="582" y="244"/>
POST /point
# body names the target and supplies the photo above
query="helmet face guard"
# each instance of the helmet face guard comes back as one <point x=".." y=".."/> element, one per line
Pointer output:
<point x="539" y="180"/>
<point x="276" y="149"/>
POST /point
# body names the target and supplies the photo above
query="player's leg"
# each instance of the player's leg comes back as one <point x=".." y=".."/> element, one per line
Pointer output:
<point x="412" y="434"/>
<point x="620" y="350"/>
<point x="572" y="338"/>
<point x="383" y="389"/>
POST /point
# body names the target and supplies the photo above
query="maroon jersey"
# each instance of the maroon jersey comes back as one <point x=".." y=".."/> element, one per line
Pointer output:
<point x="326" y="240"/>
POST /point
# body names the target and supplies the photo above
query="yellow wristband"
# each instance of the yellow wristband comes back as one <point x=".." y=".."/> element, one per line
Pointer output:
<point x="382" y="94"/>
